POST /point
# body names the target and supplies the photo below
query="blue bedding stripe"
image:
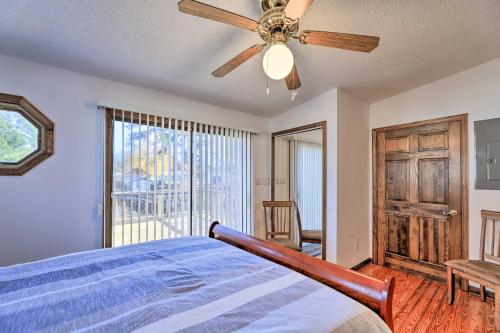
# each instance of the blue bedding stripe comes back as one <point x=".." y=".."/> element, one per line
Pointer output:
<point x="94" y="268"/>
<point x="256" y="309"/>
<point x="100" y="279"/>
<point x="78" y="259"/>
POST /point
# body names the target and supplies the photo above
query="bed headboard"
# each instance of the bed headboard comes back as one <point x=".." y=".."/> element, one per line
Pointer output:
<point x="374" y="293"/>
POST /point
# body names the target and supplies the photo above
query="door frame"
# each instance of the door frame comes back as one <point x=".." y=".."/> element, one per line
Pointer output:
<point x="464" y="163"/>
<point x="319" y="125"/>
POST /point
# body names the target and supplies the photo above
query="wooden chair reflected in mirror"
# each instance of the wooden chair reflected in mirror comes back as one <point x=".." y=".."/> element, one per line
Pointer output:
<point x="283" y="225"/>
<point x="485" y="271"/>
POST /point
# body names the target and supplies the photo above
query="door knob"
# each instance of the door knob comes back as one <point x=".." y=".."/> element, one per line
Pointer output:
<point x="450" y="213"/>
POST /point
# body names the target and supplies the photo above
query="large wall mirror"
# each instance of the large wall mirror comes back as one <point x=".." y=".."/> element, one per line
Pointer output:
<point x="298" y="171"/>
<point x="26" y="135"/>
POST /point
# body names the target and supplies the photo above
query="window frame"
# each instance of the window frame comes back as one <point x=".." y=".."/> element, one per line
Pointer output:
<point x="45" y="126"/>
<point x="123" y="115"/>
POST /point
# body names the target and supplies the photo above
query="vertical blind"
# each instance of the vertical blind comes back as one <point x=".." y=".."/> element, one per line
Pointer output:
<point x="307" y="188"/>
<point x="172" y="178"/>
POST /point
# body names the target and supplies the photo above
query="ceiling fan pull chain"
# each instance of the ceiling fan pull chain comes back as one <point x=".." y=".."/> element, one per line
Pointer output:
<point x="268" y="91"/>
<point x="294" y="93"/>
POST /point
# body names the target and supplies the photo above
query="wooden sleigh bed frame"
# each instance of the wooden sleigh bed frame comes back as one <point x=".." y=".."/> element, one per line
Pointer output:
<point x="375" y="294"/>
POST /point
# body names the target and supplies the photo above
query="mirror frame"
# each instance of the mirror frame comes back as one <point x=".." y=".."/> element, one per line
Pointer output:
<point x="45" y="126"/>
<point x="306" y="128"/>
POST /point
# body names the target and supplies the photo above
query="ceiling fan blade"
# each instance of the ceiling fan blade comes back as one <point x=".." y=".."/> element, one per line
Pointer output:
<point x="338" y="40"/>
<point x="293" y="80"/>
<point x="238" y="60"/>
<point x="296" y="8"/>
<point x="196" y="8"/>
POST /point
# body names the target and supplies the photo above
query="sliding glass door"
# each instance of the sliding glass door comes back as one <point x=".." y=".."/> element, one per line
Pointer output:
<point x="306" y="180"/>
<point x="171" y="178"/>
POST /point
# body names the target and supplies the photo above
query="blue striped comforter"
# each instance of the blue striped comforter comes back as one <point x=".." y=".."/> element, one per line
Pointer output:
<point x="182" y="285"/>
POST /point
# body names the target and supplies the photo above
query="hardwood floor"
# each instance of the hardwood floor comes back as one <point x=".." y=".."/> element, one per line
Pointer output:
<point x="420" y="305"/>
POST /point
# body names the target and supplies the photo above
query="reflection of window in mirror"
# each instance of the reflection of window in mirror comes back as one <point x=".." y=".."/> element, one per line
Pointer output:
<point x="26" y="135"/>
<point x="297" y="170"/>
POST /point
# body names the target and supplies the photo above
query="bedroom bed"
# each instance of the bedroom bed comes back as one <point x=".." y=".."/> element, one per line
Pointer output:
<point x="228" y="282"/>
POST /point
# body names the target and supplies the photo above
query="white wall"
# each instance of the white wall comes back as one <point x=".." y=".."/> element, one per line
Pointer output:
<point x="52" y="209"/>
<point x="475" y="91"/>
<point x="281" y="168"/>
<point x="262" y="187"/>
<point x="353" y="221"/>
<point x="322" y="108"/>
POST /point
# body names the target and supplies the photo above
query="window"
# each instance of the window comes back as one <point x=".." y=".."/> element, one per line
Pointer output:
<point x="18" y="137"/>
<point x="26" y="135"/>
<point x="171" y="178"/>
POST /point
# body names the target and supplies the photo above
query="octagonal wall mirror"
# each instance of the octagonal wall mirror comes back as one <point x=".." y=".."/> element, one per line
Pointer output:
<point x="26" y="135"/>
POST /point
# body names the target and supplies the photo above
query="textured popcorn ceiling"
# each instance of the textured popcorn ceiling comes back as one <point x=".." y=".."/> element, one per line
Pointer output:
<point x="151" y="44"/>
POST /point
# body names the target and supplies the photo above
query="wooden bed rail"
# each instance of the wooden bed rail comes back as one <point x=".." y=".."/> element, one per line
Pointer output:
<point x="375" y="294"/>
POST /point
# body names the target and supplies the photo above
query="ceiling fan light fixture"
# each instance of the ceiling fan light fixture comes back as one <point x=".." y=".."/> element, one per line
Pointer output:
<point x="278" y="61"/>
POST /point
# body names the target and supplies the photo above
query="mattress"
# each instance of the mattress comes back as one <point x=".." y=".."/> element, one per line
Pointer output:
<point x="183" y="285"/>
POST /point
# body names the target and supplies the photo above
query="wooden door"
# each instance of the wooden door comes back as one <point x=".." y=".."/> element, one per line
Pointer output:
<point x="420" y="195"/>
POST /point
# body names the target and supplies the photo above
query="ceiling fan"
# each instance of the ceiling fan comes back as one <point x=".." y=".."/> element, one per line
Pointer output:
<point x="277" y="26"/>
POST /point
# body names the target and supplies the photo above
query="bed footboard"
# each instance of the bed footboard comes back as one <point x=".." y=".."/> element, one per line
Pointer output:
<point x="375" y="294"/>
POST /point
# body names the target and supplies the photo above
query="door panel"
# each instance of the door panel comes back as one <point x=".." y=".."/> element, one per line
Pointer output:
<point x="397" y="185"/>
<point x="398" y="233"/>
<point x="433" y="180"/>
<point x="433" y="141"/>
<point x="397" y="145"/>
<point x="433" y="240"/>
<point x="418" y="180"/>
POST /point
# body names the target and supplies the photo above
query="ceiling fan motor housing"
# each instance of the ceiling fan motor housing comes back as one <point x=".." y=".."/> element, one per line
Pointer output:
<point x="268" y="4"/>
<point x="274" y="26"/>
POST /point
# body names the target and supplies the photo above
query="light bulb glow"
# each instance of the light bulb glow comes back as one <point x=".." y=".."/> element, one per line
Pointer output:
<point x="278" y="61"/>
